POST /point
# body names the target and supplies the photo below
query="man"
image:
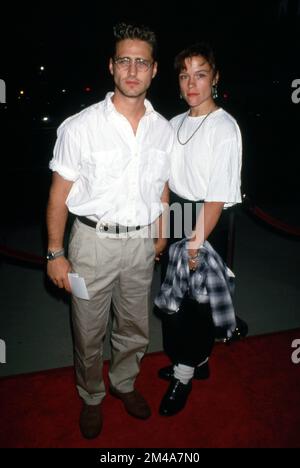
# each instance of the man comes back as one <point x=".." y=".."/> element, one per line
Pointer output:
<point x="110" y="167"/>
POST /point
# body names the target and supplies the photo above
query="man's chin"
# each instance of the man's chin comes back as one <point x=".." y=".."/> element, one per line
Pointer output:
<point x="132" y="93"/>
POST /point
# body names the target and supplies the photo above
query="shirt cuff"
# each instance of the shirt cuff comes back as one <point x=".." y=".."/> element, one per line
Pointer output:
<point x="63" y="171"/>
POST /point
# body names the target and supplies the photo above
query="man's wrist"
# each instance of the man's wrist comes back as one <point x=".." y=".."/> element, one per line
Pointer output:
<point x="52" y="254"/>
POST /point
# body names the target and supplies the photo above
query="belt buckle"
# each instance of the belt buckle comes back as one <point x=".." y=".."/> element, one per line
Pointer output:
<point x="102" y="227"/>
<point x="106" y="228"/>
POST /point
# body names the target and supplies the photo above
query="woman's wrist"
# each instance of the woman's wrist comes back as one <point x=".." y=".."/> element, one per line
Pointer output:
<point x="193" y="253"/>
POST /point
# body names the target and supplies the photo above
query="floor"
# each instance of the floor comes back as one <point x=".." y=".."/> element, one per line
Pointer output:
<point x="35" y="318"/>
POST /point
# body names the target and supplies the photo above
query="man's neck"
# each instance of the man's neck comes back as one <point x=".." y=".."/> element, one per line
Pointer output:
<point x="132" y="108"/>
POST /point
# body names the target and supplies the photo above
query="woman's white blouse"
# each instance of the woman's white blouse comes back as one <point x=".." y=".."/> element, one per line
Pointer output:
<point x="208" y="166"/>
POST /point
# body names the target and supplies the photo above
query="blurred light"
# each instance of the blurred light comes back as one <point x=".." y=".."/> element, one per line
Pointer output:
<point x="22" y="92"/>
<point x="63" y="90"/>
<point x="225" y="95"/>
<point x="45" y="119"/>
<point x="87" y="89"/>
<point x="42" y="68"/>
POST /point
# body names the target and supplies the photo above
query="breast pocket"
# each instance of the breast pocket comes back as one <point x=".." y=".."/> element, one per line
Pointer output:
<point x="108" y="164"/>
<point x="101" y="169"/>
<point x="158" y="165"/>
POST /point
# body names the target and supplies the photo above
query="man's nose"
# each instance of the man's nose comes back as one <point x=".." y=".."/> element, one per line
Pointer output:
<point x="132" y="68"/>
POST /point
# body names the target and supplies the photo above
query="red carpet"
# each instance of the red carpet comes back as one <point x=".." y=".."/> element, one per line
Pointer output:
<point x="251" y="400"/>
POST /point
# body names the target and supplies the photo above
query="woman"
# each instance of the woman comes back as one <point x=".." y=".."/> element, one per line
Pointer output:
<point x="205" y="171"/>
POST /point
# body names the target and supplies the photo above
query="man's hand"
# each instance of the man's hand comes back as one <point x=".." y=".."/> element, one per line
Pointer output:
<point x="160" y="245"/>
<point x="58" y="270"/>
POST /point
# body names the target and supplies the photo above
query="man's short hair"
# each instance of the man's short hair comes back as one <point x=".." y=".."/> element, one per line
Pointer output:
<point x="124" y="31"/>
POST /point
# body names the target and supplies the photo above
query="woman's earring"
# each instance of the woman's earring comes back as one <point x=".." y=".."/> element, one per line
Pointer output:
<point x="215" y="91"/>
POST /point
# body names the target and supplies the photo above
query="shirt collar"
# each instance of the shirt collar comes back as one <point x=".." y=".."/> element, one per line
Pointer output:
<point x="109" y="107"/>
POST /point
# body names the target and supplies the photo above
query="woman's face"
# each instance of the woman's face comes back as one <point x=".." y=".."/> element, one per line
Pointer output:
<point x="196" y="81"/>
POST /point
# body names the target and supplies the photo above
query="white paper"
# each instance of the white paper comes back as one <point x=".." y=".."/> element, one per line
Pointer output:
<point x="78" y="286"/>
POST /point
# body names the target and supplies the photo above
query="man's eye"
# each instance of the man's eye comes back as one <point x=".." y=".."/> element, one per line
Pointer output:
<point x="143" y="62"/>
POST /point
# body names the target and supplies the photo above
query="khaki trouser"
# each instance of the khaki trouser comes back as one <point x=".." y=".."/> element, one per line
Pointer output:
<point x="118" y="272"/>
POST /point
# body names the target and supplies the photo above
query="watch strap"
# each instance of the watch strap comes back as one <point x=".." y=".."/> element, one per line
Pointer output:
<point x="52" y="255"/>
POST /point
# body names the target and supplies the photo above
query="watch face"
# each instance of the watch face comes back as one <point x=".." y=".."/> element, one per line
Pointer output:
<point x="52" y="255"/>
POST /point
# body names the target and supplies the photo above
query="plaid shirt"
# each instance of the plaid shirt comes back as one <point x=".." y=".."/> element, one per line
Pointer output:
<point x="211" y="282"/>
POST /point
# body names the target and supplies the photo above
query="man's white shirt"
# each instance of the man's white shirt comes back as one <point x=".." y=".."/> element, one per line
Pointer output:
<point x="118" y="176"/>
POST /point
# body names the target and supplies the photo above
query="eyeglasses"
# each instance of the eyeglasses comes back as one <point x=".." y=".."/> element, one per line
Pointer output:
<point x="123" y="63"/>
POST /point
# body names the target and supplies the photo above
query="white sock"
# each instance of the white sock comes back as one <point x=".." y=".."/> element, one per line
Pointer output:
<point x="203" y="362"/>
<point x="183" y="373"/>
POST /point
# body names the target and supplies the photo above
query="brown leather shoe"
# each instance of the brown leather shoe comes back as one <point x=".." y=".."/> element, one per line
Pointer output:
<point x="135" y="404"/>
<point x="90" y="421"/>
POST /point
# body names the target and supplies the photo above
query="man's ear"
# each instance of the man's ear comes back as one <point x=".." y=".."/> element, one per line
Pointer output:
<point x="154" y="71"/>
<point x="111" y="66"/>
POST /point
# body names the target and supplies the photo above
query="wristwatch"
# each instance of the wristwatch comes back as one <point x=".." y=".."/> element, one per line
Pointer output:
<point x="53" y="255"/>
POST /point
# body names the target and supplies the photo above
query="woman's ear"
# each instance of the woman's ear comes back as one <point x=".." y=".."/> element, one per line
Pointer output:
<point x="216" y="79"/>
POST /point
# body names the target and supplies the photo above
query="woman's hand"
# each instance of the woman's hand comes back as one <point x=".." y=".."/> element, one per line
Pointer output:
<point x="160" y="245"/>
<point x="193" y="255"/>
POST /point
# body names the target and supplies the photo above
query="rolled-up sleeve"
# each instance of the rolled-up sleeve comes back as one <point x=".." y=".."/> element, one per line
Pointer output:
<point x="66" y="154"/>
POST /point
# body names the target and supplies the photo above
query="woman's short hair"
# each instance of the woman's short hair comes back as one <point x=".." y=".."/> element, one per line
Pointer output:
<point x="202" y="49"/>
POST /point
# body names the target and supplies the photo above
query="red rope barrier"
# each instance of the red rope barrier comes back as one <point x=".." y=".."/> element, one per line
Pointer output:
<point x="276" y="223"/>
<point x="20" y="255"/>
<point x="255" y="210"/>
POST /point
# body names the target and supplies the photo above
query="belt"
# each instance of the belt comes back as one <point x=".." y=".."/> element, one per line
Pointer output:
<point x="113" y="228"/>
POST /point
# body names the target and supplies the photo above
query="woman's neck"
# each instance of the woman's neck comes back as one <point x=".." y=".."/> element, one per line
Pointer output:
<point x="203" y="110"/>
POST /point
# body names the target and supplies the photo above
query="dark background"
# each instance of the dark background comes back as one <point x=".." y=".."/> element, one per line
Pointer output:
<point x="258" y="50"/>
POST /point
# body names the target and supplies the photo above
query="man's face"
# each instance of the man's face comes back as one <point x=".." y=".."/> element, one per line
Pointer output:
<point x="133" y="67"/>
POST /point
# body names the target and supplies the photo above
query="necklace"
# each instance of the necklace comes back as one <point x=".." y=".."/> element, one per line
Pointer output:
<point x="195" y="131"/>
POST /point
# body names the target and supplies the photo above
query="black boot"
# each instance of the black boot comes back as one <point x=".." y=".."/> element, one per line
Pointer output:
<point x="175" y="398"/>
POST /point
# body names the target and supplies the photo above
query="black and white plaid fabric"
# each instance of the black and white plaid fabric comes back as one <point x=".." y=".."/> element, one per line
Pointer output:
<point x="212" y="282"/>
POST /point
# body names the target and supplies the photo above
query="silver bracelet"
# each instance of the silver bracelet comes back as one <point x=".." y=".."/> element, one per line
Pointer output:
<point x="194" y="256"/>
